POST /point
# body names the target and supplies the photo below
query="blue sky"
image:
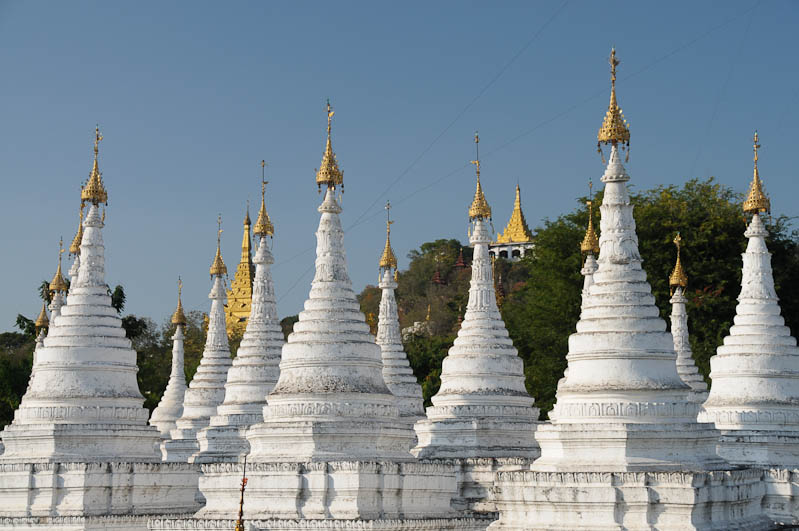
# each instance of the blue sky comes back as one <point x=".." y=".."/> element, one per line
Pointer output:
<point x="192" y="95"/>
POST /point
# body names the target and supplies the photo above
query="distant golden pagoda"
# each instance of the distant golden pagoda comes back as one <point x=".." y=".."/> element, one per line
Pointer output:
<point x="239" y="297"/>
<point x="516" y="230"/>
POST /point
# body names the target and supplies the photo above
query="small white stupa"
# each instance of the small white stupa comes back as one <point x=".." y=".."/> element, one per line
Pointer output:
<point x="255" y="370"/>
<point x="331" y="452"/>
<point x="207" y="388"/>
<point x="624" y="449"/>
<point x="79" y="453"/>
<point x="754" y="399"/>
<point x="482" y="416"/>
<point x="397" y="371"/>
<point x="170" y="407"/>
<point x="686" y="368"/>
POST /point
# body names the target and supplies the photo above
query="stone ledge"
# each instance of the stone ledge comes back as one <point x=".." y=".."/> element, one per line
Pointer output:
<point x="436" y="524"/>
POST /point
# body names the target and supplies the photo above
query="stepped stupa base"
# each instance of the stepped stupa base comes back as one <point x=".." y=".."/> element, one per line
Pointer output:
<point x="222" y="444"/>
<point x="179" y="450"/>
<point x="761" y="449"/>
<point x="721" y="500"/>
<point x="338" y="490"/>
<point x="431" y="524"/>
<point x="781" y="502"/>
<point x="70" y="494"/>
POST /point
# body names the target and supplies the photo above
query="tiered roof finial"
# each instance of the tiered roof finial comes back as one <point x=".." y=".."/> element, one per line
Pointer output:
<point x="329" y="172"/>
<point x="58" y="283"/>
<point x="263" y="226"/>
<point x="218" y="266"/>
<point x="614" y="130"/>
<point x="756" y="200"/>
<point x="247" y="221"/>
<point x="516" y="230"/>
<point x="479" y="208"/>
<point x="388" y="260"/>
<point x="42" y="321"/>
<point x="590" y="243"/>
<point x="179" y="317"/>
<point x="94" y="191"/>
<point x="678" y="278"/>
<point x="74" y="248"/>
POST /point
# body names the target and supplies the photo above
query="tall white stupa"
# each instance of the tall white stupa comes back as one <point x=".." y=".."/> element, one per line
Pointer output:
<point x="624" y="449"/>
<point x="397" y="371"/>
<point x="255" y="370"/>
<point x="482" y="416"/>
<point x="79" y="453"/>
<point x="754" y="399"/>
<point x="170" y="407"/>
<point x="207" y="388"/>
<point x="331" y="452"/>
<point x="686" y="368"/>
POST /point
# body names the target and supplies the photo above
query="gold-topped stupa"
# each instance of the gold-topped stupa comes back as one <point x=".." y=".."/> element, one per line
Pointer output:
<point x="516" y="230"/>
<point x="756" y="200"/>
<point x="239" y="297"/>
<point x="614" y="130"/>
<point x="329" y="172"/>
<point x="479" y="208"/>
<point x="218" y="266"/>
<point x="678" y="278"/>
<point x="388" y="259"/>
<point x="42" y="321"/>
<point x="94" y="191"/>
<point x="59" y="284"/>
<point x="590" y="243"/>
<point x="263" y="225"/>
<point x="179" y="317"/>
<point x="74" y="248"/>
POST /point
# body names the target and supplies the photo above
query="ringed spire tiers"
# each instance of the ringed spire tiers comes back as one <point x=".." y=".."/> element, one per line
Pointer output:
<point x="94" y="192"/>
<point x="329" y="172"/>
<point x="614" y="130"/>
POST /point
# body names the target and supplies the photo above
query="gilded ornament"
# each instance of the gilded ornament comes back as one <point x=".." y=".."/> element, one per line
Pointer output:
<point x="590" y="243"/>
<point x="218" y="265"/>
<point x="263" y="225"/>
<point x="479" y="208"/>
<point x="42" y="321"/>
<point x="388" y="260"/>
<point x="756" y="200"/>
<point x="239" y="297"/>
<point x="516" y="231"/>
<point x="58" y="284"/>
<point x="179" y="317"/>
<point x="614" y="130"/>
<point x="328" y="172"/>
<point x="94" y="191"/>
<point x="74" y="248"/>
<point x="678" y="278"/>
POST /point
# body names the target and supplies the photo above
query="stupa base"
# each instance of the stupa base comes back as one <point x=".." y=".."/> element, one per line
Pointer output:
<point x="343" y="490"/>
<point x="476" y="437"/>
<point x="432" y="524"/>
<point x="713" y="501"/>
<point x="181" y="448"/>
<point x="81" y="490"/>
<point x="222" y="444"/>
<point x="77" y="523"/>
<point x="763" y="449"/>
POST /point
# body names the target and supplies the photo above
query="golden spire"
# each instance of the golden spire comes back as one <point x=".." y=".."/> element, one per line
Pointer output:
<point x="615" y="130"/>
<point x="247" y="222"/>
<point x="218" y="265"/>
<point x="94" y="191"/>
<point x="58" y="283"/>
<point x="328" y="172"/>
<point x="240" y="521"/>
<point x="388" y="259"/>
<point x="516" y="230"/>
<point x="678" y="278"/>
<point x="263" y="226"/>
<point x="479" y="208"/>
<point x="590" y="243"/>
<point x="74" y="248"/>
<point x="42" y="321"/>
<point x="756" y="200"/>
<point x="179" y="317"/>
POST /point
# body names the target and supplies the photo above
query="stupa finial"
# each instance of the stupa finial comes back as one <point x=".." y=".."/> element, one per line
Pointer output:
<point x="329" y="172"/>
<point x="756" y="200"/>
<point x="179" y="317"/>
<point x="42" y="321"/>
<point x="74" y="248"/>
<point x="218" y="265"/>
<point x="678" y="278"/>
<point x="263" y="226"/>
<point x="614" y="130"/>
<point x="590" y="243"/>
<point x="388" y="260"/>
<point x="58" y="284"/>
<point x="94" y="191"/>
<point x="479" y="208"/>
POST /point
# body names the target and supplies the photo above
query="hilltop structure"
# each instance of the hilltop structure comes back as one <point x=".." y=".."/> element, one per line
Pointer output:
<point x="516" y="239"/>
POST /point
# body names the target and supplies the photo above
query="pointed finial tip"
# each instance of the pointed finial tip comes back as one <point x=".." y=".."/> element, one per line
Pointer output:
<point x="678" y="278"/>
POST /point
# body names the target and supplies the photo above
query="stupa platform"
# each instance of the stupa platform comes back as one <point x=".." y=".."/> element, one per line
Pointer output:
<point x="428" y="524"/>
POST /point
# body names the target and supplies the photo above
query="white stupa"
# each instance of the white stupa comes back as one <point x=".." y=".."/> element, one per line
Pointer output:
<point x="482" y="416"/>
<point x="331" y="452"/>
<point x="255" y="370"/>
<point x="79" y="453"/>
<point x="624" y="449"/>
<point x="686" y="367"/>
<point x="754" y="399"/>
<point x="397" y="371"/>
<point x="207" y="388"/>
<point x="170" y="407"/>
